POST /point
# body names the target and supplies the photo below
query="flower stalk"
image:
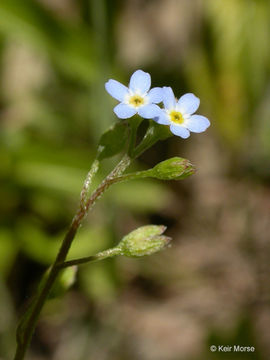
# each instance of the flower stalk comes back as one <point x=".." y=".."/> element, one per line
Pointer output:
<point x="28" y="323"/>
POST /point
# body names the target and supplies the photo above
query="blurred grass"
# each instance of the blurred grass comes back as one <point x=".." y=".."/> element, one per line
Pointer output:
<point x="70" y="47"/>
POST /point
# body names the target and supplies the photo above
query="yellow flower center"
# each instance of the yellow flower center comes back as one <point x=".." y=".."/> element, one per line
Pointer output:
<point x="136" y="100"/>
<point x="176" y="117"/>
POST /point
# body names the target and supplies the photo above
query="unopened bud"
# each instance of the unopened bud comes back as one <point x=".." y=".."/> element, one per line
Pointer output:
<point x="175" y="168"/>
<point x="143" y="241"/>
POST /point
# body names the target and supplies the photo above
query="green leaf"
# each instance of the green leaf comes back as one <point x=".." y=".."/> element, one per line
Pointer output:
<point x="113" y="141"/>
<point x="154" y="133"/>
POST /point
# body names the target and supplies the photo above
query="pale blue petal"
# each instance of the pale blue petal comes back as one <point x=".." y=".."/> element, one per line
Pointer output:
<point x="140" y="82"/>
<point x="124" y="111"/>
<point x="155" y="95"/>
<point x="197" y="123"/>
<point x="162" y="118"/>
<point x="116" y="89"/>
<point x="188" y="103"/>
<point x="168" y="98"/>
<point x="149" y="111"/>
<point x="180" y="131"/>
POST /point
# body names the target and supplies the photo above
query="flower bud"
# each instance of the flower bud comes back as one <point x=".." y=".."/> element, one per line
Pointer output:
<point x="175" y="168"/>
<point x="145" y="240"/>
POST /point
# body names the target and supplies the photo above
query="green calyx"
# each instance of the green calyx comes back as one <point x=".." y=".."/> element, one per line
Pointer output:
<point x="175" y="168"/>
<point x="143" y="241"/>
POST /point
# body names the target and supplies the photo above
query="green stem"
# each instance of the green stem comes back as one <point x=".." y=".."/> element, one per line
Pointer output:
<point x="133" y="125"/>
<point x="28" y="324"/>
<point x="100" y="256"/>
<point x="154" y="133"/>
<point x="87" y="183"/>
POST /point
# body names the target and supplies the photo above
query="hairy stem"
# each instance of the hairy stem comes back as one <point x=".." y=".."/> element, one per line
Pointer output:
<point x="100" y="256"/>
<point x="28" y="324"/>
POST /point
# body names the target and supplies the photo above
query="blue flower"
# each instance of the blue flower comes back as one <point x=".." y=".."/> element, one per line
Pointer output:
<point x="136" y="98"/>
<point x="179" y="114"/>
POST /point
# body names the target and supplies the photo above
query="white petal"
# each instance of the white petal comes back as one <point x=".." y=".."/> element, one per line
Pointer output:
<point x="179" y="131"/>
<point x="155" y="95"/>
<point x="163" y="118"/>
<point x="140" y="82"/>
<point x="124" y="111"/>
<point x="197" y="123"/>
<point x="168" y="98"/>
<point x="116" y="89"/>
<point x="188" y="103"/>
<point x="149" y="111"/>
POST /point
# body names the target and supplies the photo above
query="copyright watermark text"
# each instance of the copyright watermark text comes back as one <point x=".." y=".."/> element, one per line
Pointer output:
<point x="231" y="348"/>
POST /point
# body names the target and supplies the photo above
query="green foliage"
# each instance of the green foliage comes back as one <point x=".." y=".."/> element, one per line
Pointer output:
<point x="231" y="72"/>
<point x="113" y="141"/>
<point x="43" y="248"/>
<point x="141" y="196"/>
<point x="68" y="46"/>
<point x="154" y="133"/>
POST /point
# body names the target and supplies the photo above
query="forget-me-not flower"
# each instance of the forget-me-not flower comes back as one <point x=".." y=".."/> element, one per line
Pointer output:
<point x="136" y="98"/>
<point x="179" y="114"/>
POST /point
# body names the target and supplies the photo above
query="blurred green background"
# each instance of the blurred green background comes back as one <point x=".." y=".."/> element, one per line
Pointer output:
<point x="212" y="285"/>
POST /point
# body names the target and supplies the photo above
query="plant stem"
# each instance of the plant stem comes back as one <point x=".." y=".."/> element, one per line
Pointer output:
<point x="133" y="124"/>
<point x="154" y="133"/>
<point x="100" y="256"/>
<point x="27" y="326"/>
